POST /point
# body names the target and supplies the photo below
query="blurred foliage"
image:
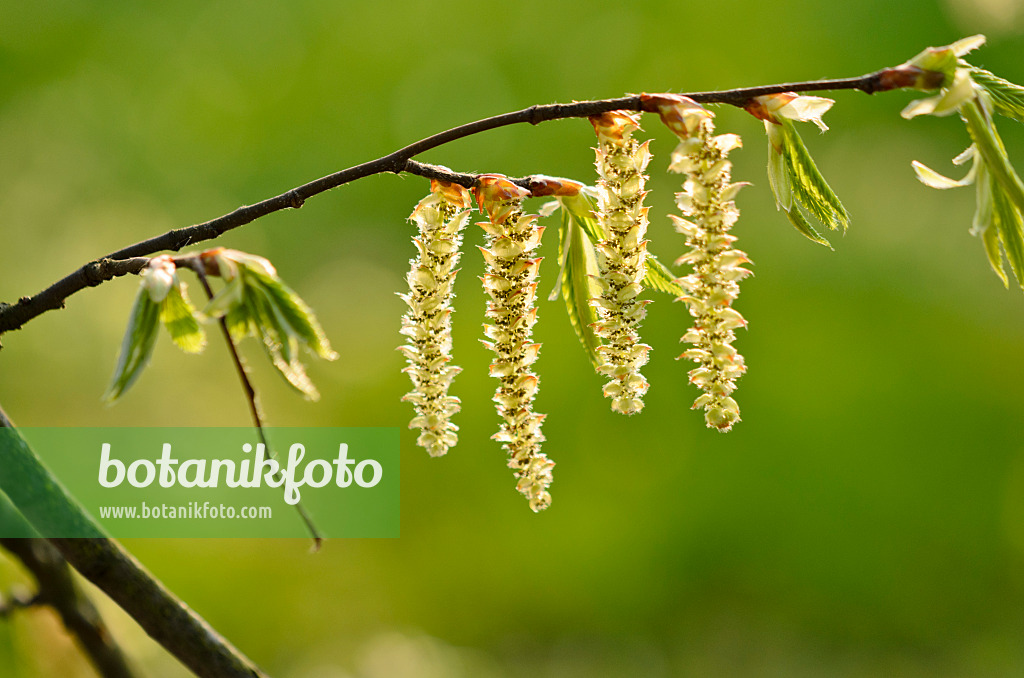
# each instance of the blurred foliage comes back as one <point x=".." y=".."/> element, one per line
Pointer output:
<point x="865" y="518"/>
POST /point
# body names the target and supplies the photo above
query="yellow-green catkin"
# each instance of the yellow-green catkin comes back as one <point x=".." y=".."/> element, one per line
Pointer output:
<point x="510" y="281"/>
<point x="621" y="162"/>
<point x="706" y="203"/>
<point x="440" y="217"/>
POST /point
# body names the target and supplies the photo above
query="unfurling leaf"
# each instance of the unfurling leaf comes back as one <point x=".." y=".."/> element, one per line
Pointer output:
<point x="660" y="278"/>
<point x="581" y="210"/>
<point x="1008" y="222"/>
<point x="997" y="218"/>
<point x="137" y="345"/>
<point x="806" y="229"/>
<point x="178" y="315"/>
<point x="778" y="177"/>
<point x="793" y="176"/>
<point x="255" y="301"/>
<point x="576" y="251"/>
<point x="1000" y="192"/>
<point x="581" y="207"/>
<point x="1007" y="97"/>
<point x="810" y="188"/>
<point x="961" y="89"/>
<point x="161" y="299"/>
<point x="977" y="113"/>
<point x="295" y="315"/>
<point x="998" y="222"/>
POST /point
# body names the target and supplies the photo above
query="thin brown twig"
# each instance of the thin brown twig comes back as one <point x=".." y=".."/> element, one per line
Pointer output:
<point x="14" y="316"/>
<point x="250" y="393"/>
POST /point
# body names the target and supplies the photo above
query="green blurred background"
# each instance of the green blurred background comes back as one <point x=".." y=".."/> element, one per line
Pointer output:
<point x="866" y="518"/>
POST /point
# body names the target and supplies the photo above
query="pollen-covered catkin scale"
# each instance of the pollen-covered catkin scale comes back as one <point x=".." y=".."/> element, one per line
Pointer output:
<point x="510" y="282"/>
<point x="621" y="162"/>
<point x="708" y="210"/>
<point x="440" y="217"/>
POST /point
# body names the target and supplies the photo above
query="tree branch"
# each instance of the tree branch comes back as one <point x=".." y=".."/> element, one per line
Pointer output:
<point x="13" y="317"/>
<point x="45" y="505"/>
<point x="58" y="590"/>
<point x="168" y="620"/>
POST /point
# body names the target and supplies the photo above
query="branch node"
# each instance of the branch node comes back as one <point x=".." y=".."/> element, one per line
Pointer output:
<point x="94" y="272"/>
<point x="294" y="199"/>
<point x="398" y="165"/>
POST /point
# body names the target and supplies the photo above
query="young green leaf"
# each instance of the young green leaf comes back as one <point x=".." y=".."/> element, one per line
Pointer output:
<point x="577" y="282"/>
<point x="810" y="188"/>
<point x="582" y="208"/>
<point x="778" y="177"/>
<point x="984" y="218"/>
<point x="1007" y="97"/>
<point x="1000" y="190"/>
<point x="794" y="178"/>
<point x="781" y="182"/>
<point x="255" y="301"/>
<point x="238" y="321"/>
<point x="178" y="315"/>
<point x="997" y="218"/>
<point x="161" y="299"/>
<point x="978" y="116"/>
<point x="660" y="278"/>
<point x="296" y="315"/>
<point x="227" y="301"/>
<point x="137" y="345"/>
<point x="281" y="341"/>
<point x="798" y="220"/>
<point x="995" y="258"/>
<point x="1007" y="219"/>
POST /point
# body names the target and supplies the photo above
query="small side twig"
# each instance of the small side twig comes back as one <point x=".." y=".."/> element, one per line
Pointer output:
<point x="250" y="393"/>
